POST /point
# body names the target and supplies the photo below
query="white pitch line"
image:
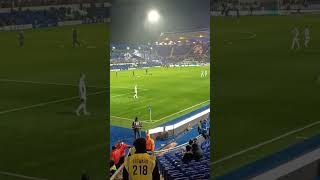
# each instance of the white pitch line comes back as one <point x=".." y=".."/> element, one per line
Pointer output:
<point x="154" y="121"/>
<point x="20" y="176"/>
<point x="253" y="35"/>
<point x="183" y="110"/>
<point x="265" y="143"/>
<point x="46" y="83"/>
<point x="120" y="95"/>
<point x="123" y="87"/>
<point x="47" y="103"/>
<point x="144" y="121"/>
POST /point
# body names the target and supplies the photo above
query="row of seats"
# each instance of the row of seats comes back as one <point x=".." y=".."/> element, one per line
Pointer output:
<point x="29" y="3"/>
<point x="51" y="16"/>
<point x="172" y="167"/>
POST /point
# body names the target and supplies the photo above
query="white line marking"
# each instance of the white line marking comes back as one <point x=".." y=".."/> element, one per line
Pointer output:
<point x="123" y="87"/>
<point x="265" y="143"/>
<point x="155" y="121"/>
<point x="144" y="121"/>
<point x="47" y="103"/>
<point x="253" y="35"/>
<point x="183" y="110"/>
<point x="46" y="83"/>
<point x="20" y="176"/>
<point x="121" y="95"/>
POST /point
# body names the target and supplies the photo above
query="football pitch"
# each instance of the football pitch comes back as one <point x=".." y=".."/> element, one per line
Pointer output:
<point x="169" y="92"/>
<point x="266" y="95"/>
<point x="41" y="137"/>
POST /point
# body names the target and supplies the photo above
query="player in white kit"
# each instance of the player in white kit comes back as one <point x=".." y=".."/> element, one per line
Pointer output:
<point x="296" y="38"/>
<point x="83" y="96"/>
<point x="135" y="96"/>
<point x="306" y="36"/>
<point x="202" y="74"/>
<point x="205" y="73"/>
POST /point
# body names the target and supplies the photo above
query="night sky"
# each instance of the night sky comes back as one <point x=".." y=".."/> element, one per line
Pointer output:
<point x="129" y="18"/>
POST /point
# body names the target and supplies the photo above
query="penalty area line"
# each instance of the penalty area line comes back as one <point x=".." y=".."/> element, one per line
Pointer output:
<point x="20" y="176"/>
<point x="265" y="143"/>
<point x="47" y="103"/>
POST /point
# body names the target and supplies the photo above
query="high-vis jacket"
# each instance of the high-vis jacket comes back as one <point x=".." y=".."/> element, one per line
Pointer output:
<point x="141" y="166"/>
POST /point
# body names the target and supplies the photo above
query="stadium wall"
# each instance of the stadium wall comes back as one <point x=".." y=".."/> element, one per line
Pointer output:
<point x="180" y="125"/>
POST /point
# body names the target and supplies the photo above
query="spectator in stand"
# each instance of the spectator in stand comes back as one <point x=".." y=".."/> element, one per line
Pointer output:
<point x="115" y="156"/>
<point x="191" y="142"/>
<point x="122" y="148"/>
<point x="149" y="143"/>
<point x="113" y="168"/>
<point x="200" y="126"/>
<point x="205" y="130"/>
<point x="188" y="156"/>
<point x="196" y="151"/>
<point x="140" y="165"/>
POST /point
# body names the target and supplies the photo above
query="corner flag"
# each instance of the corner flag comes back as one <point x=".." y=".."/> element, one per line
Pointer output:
<point x="150" y="109"/>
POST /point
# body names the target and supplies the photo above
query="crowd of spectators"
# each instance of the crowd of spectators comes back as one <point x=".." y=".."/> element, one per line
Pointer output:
<point x="51" y="15"/>
<point x="192" y="152"/>
<point x="29" y="3"/>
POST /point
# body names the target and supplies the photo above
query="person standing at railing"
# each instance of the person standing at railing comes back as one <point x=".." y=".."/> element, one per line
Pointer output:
<point x="140" y="165"/>
<point x="136" y="126"/>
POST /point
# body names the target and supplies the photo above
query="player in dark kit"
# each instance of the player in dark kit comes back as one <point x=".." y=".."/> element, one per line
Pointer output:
<point x="75" y="38"/>
<point x="21" y="39"/>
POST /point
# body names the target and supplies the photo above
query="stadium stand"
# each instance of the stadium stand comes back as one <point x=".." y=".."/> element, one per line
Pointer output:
<point x="31" y="3"/>
<point x="181" y="48"/>
<point x="50" y="13"/>
<point x="169" y="153"/>
<point x="173" y="168"/>
<point x="252" y="7"/>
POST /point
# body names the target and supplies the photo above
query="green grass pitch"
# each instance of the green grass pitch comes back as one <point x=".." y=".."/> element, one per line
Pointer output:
<point x="171" y="92"/>
<point x="40" y="135"/>
<point x="262" y="89"/>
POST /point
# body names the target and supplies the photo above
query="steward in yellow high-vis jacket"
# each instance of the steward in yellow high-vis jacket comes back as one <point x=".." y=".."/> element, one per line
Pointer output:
<point x="140" y="165"/>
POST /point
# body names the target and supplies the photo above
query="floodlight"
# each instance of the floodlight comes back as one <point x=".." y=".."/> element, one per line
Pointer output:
<point x="153" y="16"/>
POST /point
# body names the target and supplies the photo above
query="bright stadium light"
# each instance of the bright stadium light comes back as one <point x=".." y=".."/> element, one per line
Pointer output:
<point x="153" y="16"/>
